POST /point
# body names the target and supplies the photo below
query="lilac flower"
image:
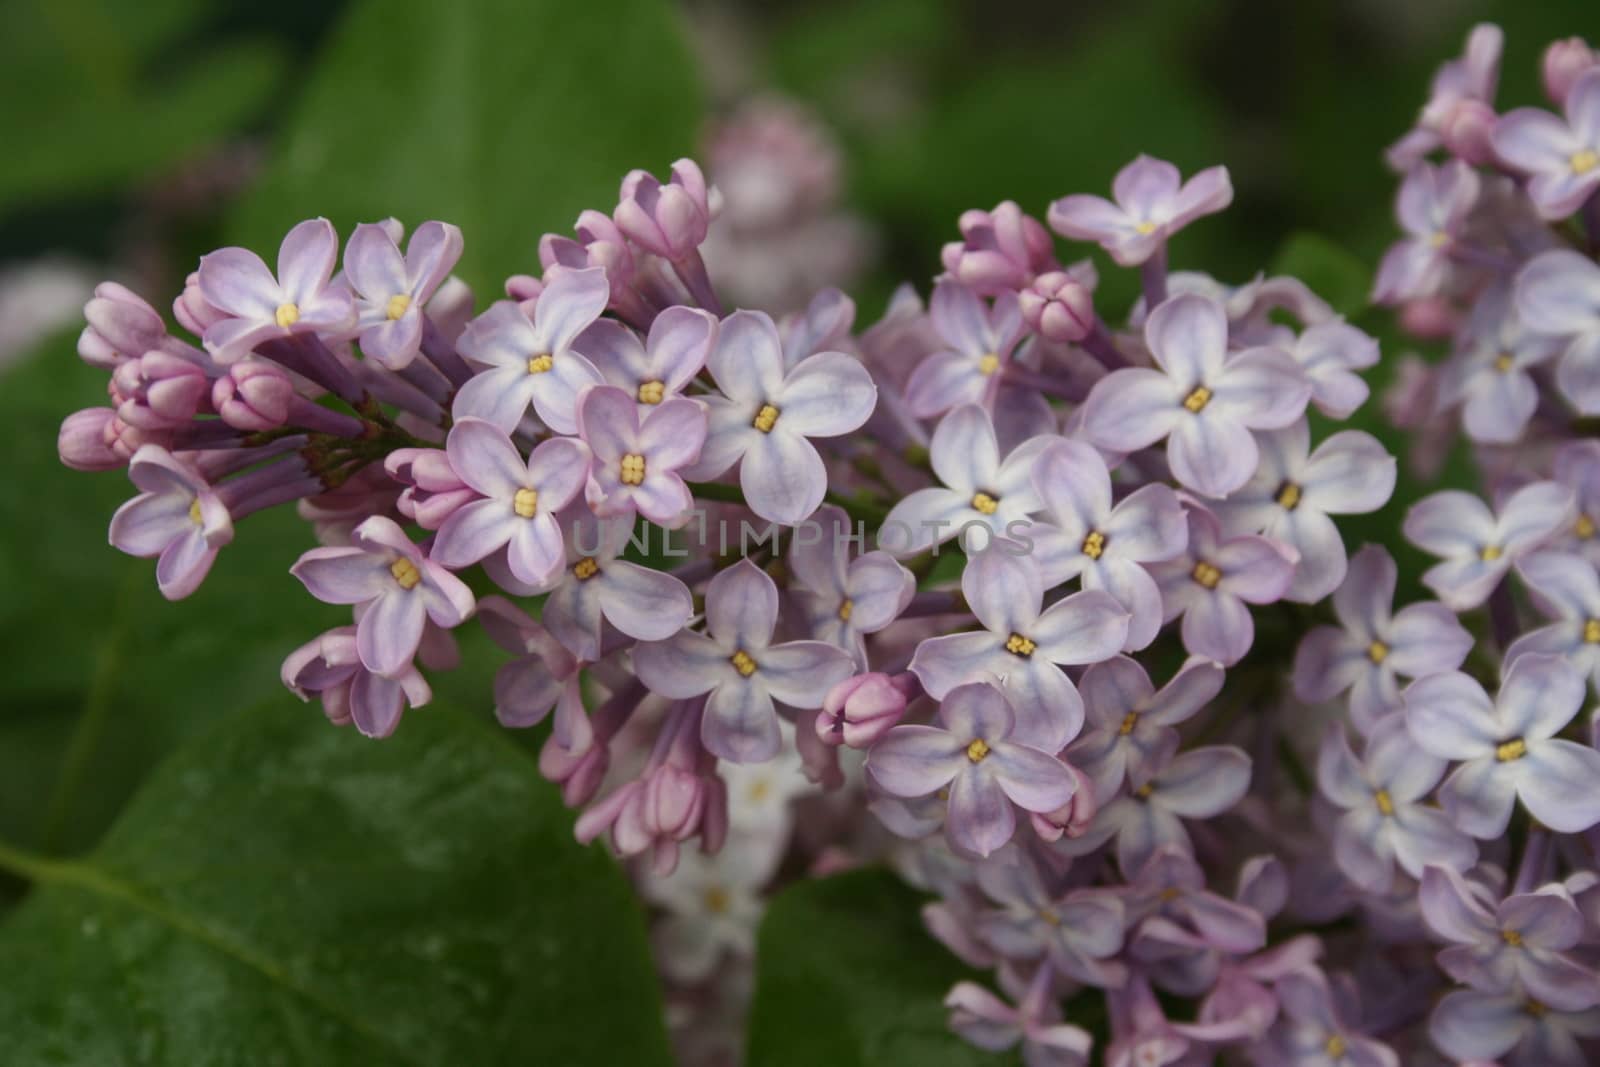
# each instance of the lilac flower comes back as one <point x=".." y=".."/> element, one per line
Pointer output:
<point x="1564" y="61"/>
<point x="1022" y="643"/>
<point x="119" y="325"/>
<point x="1152" y="204"/>
<point x="533" y="361"/>
<point x="1577" y="466"/>
<point x="1210" y="583"/>
<point x="736" y="662"/>
<point x="599" y="588"/>
<point x="1059" y="305"/>
<point x="1468" y="1023"/>
<point x="1561" y="158"/>
<point x="668" y="220"/>
<point x="1558" y="295"/>
<point x="1077" y="932"/>
<point x="1468" y="81"/>
<point x="1509" y="749"/>
<point x="637" y="463"/>
<point x="1171" y="888"/>
<point x="158" y="390"/>
<point x="397" y="586"/>
<point x="1203" y="398"/>
<point x="1477" y="546"/>
<point x="986" y="1021"/>
<point x="1330" y="353"/>
<point x="1312" y="1032"/>
<point x="999" y="250"/>
<point x="1164" y="790"/>
<point x="391" y="289"/>
<point x="845" y="599"/>
<point x="1371" y="648"/>
<point x="330" y="668"/>
<point x="259" y="307"/>
<point x="978" y="342"/>
<point x="979" y="490"/>
<point x="1568" y="591"/>
<point x="1384" y="819"/>
<point x="1490" y="377"/>
<point x="1129" y="720"/>
<point x="861" y="709"/>
<point x="1433" y="208"/>
<point x="680" y="339"/>
<point x="971" y="752"/>
<point x="1088" y="536"/>
<point x="520" y="499"/>
<point x="176" y="516"/>
<point x="766" y="415"/>
<point x="1524" y="940"/>
<point x="542" y="675"/>
<point x="1291" y="495"/>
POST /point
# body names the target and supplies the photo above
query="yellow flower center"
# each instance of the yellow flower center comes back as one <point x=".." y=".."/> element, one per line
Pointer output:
<point x="541" y="363"/>
<point x="585" y="569"/>
<point x="1591" y="632"/>
<point x="985" y="503"/>
<point x="1536" y="1008"/>
<point x="716" y="899"/>
<point x="405" y="573"/>
<point x="651" y="392"/>
<point x="1585" y="161"/>
<point x="846" y="606"/>
<point x="1145" y="228"/>
<point x="1197" y="400"/>
<point x="1018" y="645"/>
<point x="1377" y="652"/>
<point x="1490" y="553"/>
<point x="1512" y="938"/>
<point x="759" y="790"/>
<point x="743" y="663"/>
<point x="1289" y="496"/>
<point x="988" y="363"/>
<point x="1384" y="801"/>
<point x="194" y="512"/>
<point x="286" y="315"/>
<point x="1129" y="721"/>
<point x="1438" y="239"/>
<point x="1206" y="574"/>
<point x="1514" y="749"/>
<point x="525" y="503"/>
<point x="1503" y="362"/>
<point x="1144" y="791"/>
<point x="1094" y="546"/>
<point x="632" y="469"/>
<point x="398" y="303"/>
<point x="766" y="418"/>
<point x="977" y="750"/>
<point x="1169" y="894"/>
<point x="1584" y="527"/>
<point x="1050" y="916"/>
<point x="1335" y="1047"/>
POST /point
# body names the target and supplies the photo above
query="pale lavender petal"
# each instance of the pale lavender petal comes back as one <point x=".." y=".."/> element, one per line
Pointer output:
<point x="1004" y="592"/>
<point x="643" y="603"/>
<point x="1188" y="338"/>
<point x="673" y="433"/>
<point x="388" y="634"/>
<point x="1450" y="716"/>
<point x="747" y="361"/>
<point x="477" y="530"/>
<point x="236" y="281"/>
<point x="740" y="724"/>
<point x="1132" y="408"/>
<point x="1147" y="526"/>
<point x="913" y="761"/>
<point x="1474" y="1026"/>
<point x="1263" y="388"/>
<point x="800" y="673"/>
<point x="499" y="396"/>
<point x="535" y="552"/>
<point x="742" y="607"/>
<point x="981" y="819"/>
<point x="306" y="259"/>
<point x="964" y="453"/>
<point x="184" y="563"/>
<point x="569" y="303"/>
<point x="1211" y="454"/>
<point x="942" y="663"/>
<point x="1218" y="626"/>
<point x="1450" y="523"/>
<point x="1033" y="780"/>
<point x="1539" y="696"/>
<point x="879" y="590"/>
<point x="1479" y="797"/>
<point x="342" y="575"/>
<point x="1559" y="783"/>
<point x="482" y="456"/>
<point x="1204" y="782"/>
<point x="1085" y="627"/>
<point x="827" y="395"/>
<point x="943" y="381"/>
<point x="782" y="476"/>
<point x="682" y="666"/>
<point x="923" y="518"/>
<point x="1422" y="836"/>
<point x="556" y="392"/>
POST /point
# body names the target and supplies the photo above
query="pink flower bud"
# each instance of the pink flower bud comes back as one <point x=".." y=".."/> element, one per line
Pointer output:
<point x="253" y="396"/>
<point x="1073" y="817"/>
<point x="859" y="710"/>
<point x="124" y="440"/>
<point x="1058" y="307"/>
<point x="579" y="773"/>
<point x="191" y="309"/>
<point x="435" y="490"/>
<point x="82" y="441"/>
<point x="1466" y="131"/>
<point x="1431" y="318"/>
<point x="669" y="220"/>
<point x="159" y="391"/>
<point x="1564" y="62"/>
<point x="674" y="801"/>
<point x="121" y="326"/>
<point x="1000" y="249"/>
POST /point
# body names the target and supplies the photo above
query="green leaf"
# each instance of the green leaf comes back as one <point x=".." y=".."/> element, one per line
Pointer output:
<point x="846" y="976"/>
<point x="1333" y="272"/>
<point x="282" y="891"/>
<point x="502" y="116"/>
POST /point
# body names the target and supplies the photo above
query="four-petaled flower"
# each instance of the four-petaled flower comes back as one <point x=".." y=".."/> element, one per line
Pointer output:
<point x="257" y="307"/>
<point x="1561" y="158"/>
<point x="1433" y="207"/>
<point x="1479" y="546"/>
<point x="846" y="599"/>
<point x="671" y="355"/>
<point x="1153" y="202"/>
<point x="1569" y="592"/>
<point x="176" y="516"/>
<point x="1558" y="295"/>
<point x="978" y="340"/>
<point x="597" y="588"/>
<point x="637" y="463"/>
<point x="391" y="289"/>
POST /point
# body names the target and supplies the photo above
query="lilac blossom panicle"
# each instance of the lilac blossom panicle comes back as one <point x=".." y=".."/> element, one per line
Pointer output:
<point x="1050" y="606"/>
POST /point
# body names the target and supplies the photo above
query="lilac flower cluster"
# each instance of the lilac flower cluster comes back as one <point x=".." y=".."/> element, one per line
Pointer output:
<point x="1025" y="583"/>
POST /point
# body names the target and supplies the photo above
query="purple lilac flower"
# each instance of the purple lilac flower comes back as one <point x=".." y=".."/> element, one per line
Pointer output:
<point x="176" y="516"/>
<point x="1059" y="305"/>
<point x="391" y="289"/>
<point x="1512" y="1024"/>
<point x="1203" y="399"/>
<point x="1433" y="208"/>
<point x="330" y="668"/>
<point x="736" y="662"/>
<point x="1171" y="889"/>
<point x="999" y="250"/>
<point x="1467" y="81"/>
<point x="1164" y="790"/>
<point x="845" y="599"/>
<point x="978" y="342"/>
<point x="397" y="587"/>
<point x="979" y="490"/>
<point x="1561" y="158"/>
<point x="1213" y="579"/>
<point x="257" y="306"/>
<point x="598" y="588"/>
<point x="766" y="415"/>
<point x="1525" y="940"/>
<point x="668" y="220"/>
<point x="520" y="500"/>
<point x="1490" y="377"/>
<point x="1508" y="748"/>
<point x="1330" y="353"/>
<point x="824" y="326"/>
<point x="1078" y="931"/>
<point x="1563" y="63"/>
<point x="1129" y="720"/>
<point x="663" y="365"/>
<point x="1383" y="819"/>
<point x="1478" y="546"/>
<point x="637" y="463"/>
<point x="526" y="361"/>
<point x="1152" y="204"/>
<point x="986" y="1021"/>
<point x="1313" y="1032"/>
<point x="1371" y="648"/>
<point x="1558" y="294"/>
<point x="158" y="390"/>
<point x="1292" y="493"/>
<point x="1023" y="644"/>
<point x="119" y="325"/>
<point x="541" y="675"/>
<point x="1106" y="545"/>
<point x="970" y="752"/>
<point x="1577" y="466"/>
<point x="859" y="710"/>
<point x="1568" y="591"/>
